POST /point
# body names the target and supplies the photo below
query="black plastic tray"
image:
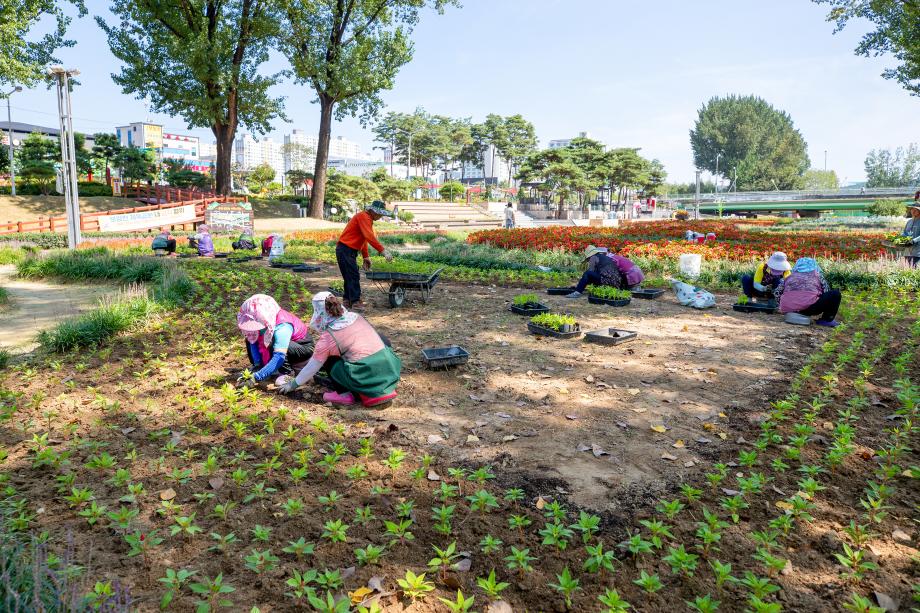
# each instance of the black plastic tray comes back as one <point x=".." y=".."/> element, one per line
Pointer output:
<point x="440" y="357"/>
<point x="306" y="268"/>
<point x="541" y="331"/>
<point x="530" y="309"/>
<point x="283" y="265"/>
<point x="753" y="307"/>
<point x="395" y="276"/>
<point x="614" y="303"/>
<point x="221" y="255"/>
<point x="188" y="255"/>
<point x="610" y="336"/>
<point x="560" y="291"/>
<point x="335" y="292"/>
<point x="647" y="294"/>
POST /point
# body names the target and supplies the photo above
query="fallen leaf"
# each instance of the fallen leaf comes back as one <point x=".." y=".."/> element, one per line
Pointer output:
<point x="589" y="379"/>
<point x="499" y="606"/>
<point x="668" y="456"/>
<point x="434" y="438"/>
<point x="900" y="535"/>
<point x="886" y="602"/>
<point x="689" y="464"/>
<point x="723" y="415"/>
<point x="503" y="415"/>
<point x="481" y="422"/>
<point x="703" y="440"/>
<point x="375" y="583"/>
<point x="597" y="450"/>
<point x="782" y="504"/>
<point x="451" y="581"/>
<point x="723" y="436"/>
<point x="433" y="476"/>
<point x="571" y="417"/>
<point x="659" y="428"/>
<point x="729" y="492"/>
<point x="216" y="482"/>
<point x="639" y="409"/>
<point x="475" y="398"/>
<point x="348" y="573"/>
<point x="787" y="569"/>
<point x="359" y="594"/>
<point x="709" y="426"/>
<point x="128" y="430"/>
<point x="583" y="447"/>
<point x="633" y="391"/>
<point x="509" y="438"/>
<point x="623" y="425"/>
<point x="562" y="390"/>
<point x="168" y="494"/>
<point x="678" y="444"/>
<point x="540" y="503"/>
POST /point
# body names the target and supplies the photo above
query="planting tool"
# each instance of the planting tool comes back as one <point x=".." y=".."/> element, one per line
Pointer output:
<point x="615" y="303"/>
<point x="442" y="357"/>
<point x="646" y="294"/>
<point x="401" y="283"/>
<point x="610" y="336"/>
<point x="542" y="331"/>
<point x="560" y="291"/>
<point x="529" y="309"/>
<point x="221" y="255"/>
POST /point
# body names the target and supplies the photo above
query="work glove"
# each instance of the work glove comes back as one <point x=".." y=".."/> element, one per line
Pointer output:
<point x="388" y="255"/>
<point x="916" y="240"/>
<point x="289" y="386"/>
<point x="760" y="287"/>
<point x="367" y="264"/>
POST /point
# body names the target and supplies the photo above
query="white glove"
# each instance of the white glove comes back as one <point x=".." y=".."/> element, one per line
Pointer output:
<point x="759" y="287"/>
<point x="916" y="240"/>
<point x="288" y="387"/>
<point x="388" y="255"/>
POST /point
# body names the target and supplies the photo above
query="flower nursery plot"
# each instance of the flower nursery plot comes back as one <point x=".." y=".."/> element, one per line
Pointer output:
<point x="721" y="461"/>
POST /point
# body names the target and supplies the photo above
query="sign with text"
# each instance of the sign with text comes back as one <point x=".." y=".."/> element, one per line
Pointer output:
<point x="142" y="220"/>
<point x="231" y="217"/>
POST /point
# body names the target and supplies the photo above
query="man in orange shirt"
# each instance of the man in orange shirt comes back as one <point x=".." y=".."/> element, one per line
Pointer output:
<point x="357" y="234"/>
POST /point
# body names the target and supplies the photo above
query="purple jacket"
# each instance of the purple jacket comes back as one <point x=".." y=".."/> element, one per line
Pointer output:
<point x="800" y="290"/>
<point x="632" y="272"/>
<point x="205" y="244"/>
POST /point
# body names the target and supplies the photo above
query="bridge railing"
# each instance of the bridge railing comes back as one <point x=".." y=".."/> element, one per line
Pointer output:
<point x="775" y="196"/>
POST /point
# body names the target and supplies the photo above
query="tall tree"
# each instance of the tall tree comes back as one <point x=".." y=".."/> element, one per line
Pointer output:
<point x="897" y="32"/>
<point x="657" y="175"/>
<point x="23" y="61"/>
<point x="348" y="51"/>
<point x="748" y="134"/>
<point x="35" y="159"/>
<point x="199" y="60"/>
<point x="137" y="164"/>
<point x="821" y="179"/>
<point x="898" y="168"/>
<point x="558" y="174"/>
<point x="520" y="140"/>
<point x="298" y="155"/>
<point x="106" y="147"/>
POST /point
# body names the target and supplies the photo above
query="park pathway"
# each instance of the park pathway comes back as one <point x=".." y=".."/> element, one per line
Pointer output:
<point x="36" y="305"/>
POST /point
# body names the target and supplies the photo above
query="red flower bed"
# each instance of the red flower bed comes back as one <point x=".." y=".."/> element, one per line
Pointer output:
<point x="665" y="239"/>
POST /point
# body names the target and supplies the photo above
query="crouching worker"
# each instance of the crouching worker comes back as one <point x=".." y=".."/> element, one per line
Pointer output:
<point x="632" y="274"/>
<point x="601" y="270"/>
<point x="163" y="243"/>
<point x="767" y="275"/>
<point x="277" y="342"/>
<point x="360" y="364"/>
<point x="806" y="291"/>
<point x="203" y="242"/>
<point x="245" y="241"/>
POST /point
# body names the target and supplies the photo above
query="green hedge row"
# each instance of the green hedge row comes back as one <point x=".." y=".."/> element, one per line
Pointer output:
<point x="84" y="188"/>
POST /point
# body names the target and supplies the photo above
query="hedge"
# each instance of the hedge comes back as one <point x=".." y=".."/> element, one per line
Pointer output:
<point x="84" y="188"/>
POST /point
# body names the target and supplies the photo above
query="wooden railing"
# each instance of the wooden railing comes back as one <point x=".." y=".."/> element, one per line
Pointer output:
<point x="89" y="222"/>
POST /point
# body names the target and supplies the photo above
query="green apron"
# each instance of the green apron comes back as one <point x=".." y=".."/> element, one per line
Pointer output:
<point x="374" y="376"/>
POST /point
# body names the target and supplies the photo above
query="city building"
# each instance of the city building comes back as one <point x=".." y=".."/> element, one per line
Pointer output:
<point x="22" y="130"/>
<point x="493" y="170"/>
<point x="250" y="152"/>
<point x="300" y="151"/>
<point x="141" y="135"/>
<point x="166" y="145"/>
<point x="559" y="143"/>
<point x="362" y="168"/>
<point x="180" y="147"/>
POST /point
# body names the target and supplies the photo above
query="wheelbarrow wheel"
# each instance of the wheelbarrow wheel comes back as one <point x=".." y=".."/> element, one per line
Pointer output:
<point x="397" y="296"/>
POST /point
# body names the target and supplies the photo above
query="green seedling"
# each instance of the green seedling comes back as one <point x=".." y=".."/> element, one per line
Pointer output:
<point x="260" y="561"/>
<point x="213" y="591"/>
<point x="261" y="533"/>
<point x="681" y="561"/>
<point x="492" y="587"/>
<point x="174" y="581"/>
<point x="300" y="548"/>
<point x="335" y="531"/>
<point x="588" y="525"/>
<point x="567" y="586"/>
<point x="369" y="555"/>
<point x="520" y="560"/>
<point x="649" y="583"/>
<point x="490" y="544"/>
<point x="613" y="601"/>
<point x="414" y="586"/>
<point x="598" y="559"/>
<point x="222" y="543"/>
<point x="399" y="532"/>
<point x="557" y="535"/>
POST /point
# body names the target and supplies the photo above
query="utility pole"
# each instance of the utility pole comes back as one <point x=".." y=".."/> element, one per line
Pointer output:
<point x="9" y="121"/>
<point x="718" y="155"/>
<point x="68" y="155"/>
<point x="825" y="160"/>
<point x="697" y="213"/>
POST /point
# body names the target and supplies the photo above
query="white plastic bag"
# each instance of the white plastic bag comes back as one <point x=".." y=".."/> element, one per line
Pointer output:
<point x="277" y="250"/>
<point x="690" y="265"/>
<point x="691" y="296"/>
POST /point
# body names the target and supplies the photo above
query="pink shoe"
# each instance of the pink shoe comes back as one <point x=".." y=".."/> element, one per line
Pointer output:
<point x="373" y="402"/>
<point x="336" y="398"/>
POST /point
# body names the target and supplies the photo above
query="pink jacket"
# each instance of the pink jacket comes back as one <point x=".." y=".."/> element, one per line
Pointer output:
<point x="799" y="291"/>
<point x="633" y="273"/>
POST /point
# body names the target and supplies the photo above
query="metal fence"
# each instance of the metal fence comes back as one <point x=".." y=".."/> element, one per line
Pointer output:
<point x="778" y="196"/>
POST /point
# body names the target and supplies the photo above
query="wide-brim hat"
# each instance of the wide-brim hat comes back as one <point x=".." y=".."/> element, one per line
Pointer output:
<point x="914" y="206"/>
<point x="251" y="325"/>
<point x="779" y="261"/>
<point x="379" y="208"/>
<point x="591" y="251"/>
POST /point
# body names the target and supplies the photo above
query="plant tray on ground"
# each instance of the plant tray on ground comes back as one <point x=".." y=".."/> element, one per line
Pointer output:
<point x="610" y="336"/>
<point x="615" y="303"/>
<point x="542" y="331"/>
<point x="306" y="268"/>
<point x="647" y="294"/>
<point x="188" y="255"/>
<point x="221" y="255"/>
<point x="441" y="357"/>
<point x="754" y="307"/>
<point x="529" y="309"/>
<point x="560" y="291"/>
<point x="283" y="264"/>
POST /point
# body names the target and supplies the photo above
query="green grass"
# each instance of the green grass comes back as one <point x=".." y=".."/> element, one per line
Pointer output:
<point x="95" y="327"/>
<point x="97" y="263"/>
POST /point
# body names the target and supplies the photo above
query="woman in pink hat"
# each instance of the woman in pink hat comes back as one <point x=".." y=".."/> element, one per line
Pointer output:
<point x="277" y="342"/>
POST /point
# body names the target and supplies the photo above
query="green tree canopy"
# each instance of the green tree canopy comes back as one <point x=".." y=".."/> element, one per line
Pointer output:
<point x="391" y="188"/>
<point x="451" y="190"/>
<point x="199" y="61"/>
<point x="343" y="187"/>
<point x="106" y="148"/>
<point x="897" y="168"/>
<point x="348" y="51"/>
<point x="23" y="61"/>
<point x="178" y="174"/>
<point x="820" y="179"/>
<point x="260" y="176"/>
<point x="137" y="164"/>
<point x="751" y="137"/>
<point x="4" y="158"/>
<point x="558" y="174"/>
<point x="896" y="33"/>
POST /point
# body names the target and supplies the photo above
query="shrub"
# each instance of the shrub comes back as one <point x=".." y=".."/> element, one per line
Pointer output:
<point x="406" y="216"/>
<point x="84" y="188"/>
<point x="94" y="263"/>
<point x="95" y="327"/>
<point x="886" y="207"/>
<point x="45" y="240"/>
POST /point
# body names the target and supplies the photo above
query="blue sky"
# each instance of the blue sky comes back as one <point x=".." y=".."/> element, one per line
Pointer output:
<point x="630" y="73"/>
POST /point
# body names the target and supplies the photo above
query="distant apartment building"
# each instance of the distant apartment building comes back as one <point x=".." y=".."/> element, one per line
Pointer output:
<point x="250" y="152"/>
<point x="362" y="168"/>
<point x="494" y="169"/>
<point x="560" y="143"/>
<point x="166" y="145"/>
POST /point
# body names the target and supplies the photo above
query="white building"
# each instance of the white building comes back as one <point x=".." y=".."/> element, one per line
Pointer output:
<point x="180" y="147"/>
<point x="493" y="169"/>
<point x="303" y="156"/>
<point x="362" y="168"/>
<point x="559" y="143"/>
<point x="250" y="153"/>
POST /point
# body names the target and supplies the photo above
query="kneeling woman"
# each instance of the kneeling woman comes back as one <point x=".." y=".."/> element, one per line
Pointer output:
<point x="601" y="270"/>
<point x="360" y="364"/>
<point x="277" y="342"/>
<point x="807" y="292"/>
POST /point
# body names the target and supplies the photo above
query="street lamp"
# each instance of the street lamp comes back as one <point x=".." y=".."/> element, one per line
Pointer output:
<point x="718" y="155"/>
<point x="9" y="122"/>
<point x="62" y="77"/>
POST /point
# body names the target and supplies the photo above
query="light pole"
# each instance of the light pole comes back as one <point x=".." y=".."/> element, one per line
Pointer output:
<point x="825" y="160"/>
<point x="9" y="121"/>
<point x="68" y="155"/>
<point x="735" y="180"/>
<point x="718" y="155"/>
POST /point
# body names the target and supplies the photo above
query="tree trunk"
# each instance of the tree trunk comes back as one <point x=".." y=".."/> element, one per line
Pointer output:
<point x="223" y="135"/>
<point x="561" y="209"/>
<point x="318" y="196"/>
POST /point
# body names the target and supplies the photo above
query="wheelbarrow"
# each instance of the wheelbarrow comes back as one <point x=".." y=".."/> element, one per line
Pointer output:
<point x="401" y="283"/>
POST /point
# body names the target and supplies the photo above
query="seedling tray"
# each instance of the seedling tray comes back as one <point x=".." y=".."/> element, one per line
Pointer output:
<point x="188" y="255"/>
<point x="530" y="309"/>
<point x="221" y="255"/>
<point x="560" y="291"/>
<point x="647" y="294"/>
<point x="541" y="331"/>
<point x="753" y="307"/>
<point x="441" y="357"/>
<point x="610" y="336"/>
<point x="335" y="292"/>
<point x="306" y="268"/>
<point x="614" y="303"/>
<point x="283" y="265"/>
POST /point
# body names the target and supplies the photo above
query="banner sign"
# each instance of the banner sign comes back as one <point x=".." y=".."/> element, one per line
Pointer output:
<point x="126" y="222"/>
<point x="230" y="217"/>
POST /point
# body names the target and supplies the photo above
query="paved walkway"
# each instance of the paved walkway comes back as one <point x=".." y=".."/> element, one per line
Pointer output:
<point x="37" y="305"/>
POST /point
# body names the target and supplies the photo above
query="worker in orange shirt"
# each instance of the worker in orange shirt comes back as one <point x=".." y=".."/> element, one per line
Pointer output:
<point x="357" y="234"/>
